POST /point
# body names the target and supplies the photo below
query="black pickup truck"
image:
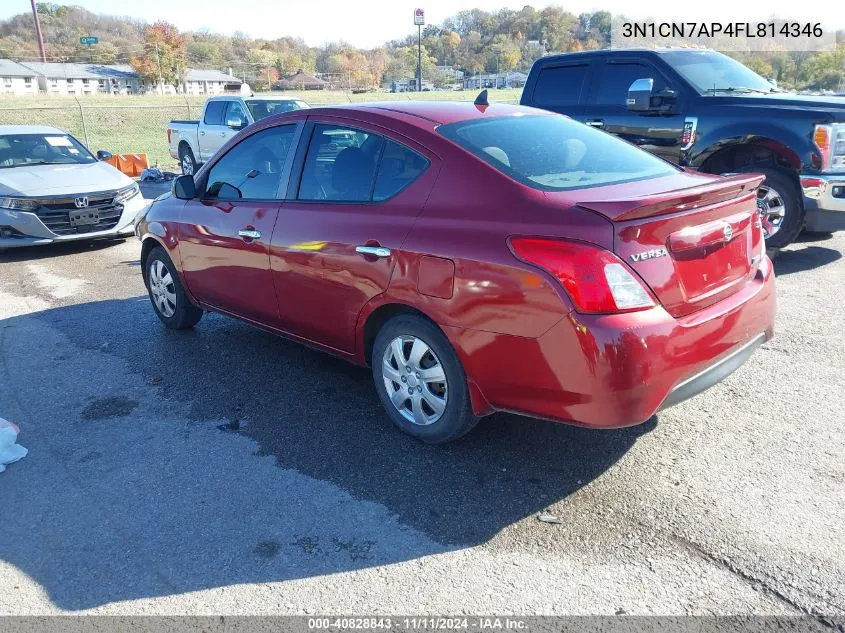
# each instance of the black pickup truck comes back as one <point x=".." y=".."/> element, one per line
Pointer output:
<point x="703" y="110"/>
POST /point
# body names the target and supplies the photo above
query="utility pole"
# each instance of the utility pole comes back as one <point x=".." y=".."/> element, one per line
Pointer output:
<point x="38" y="32"/>
<point x="158" y="61"/>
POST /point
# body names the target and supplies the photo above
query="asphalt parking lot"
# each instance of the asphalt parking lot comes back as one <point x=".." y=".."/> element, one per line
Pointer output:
<point x="225" y="470"/>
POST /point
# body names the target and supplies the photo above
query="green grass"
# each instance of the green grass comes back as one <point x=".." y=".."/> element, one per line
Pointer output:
<point x="138" y="124"/>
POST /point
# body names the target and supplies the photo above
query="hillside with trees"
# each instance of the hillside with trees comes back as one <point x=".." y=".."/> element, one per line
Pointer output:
<point x="473" y="41"/>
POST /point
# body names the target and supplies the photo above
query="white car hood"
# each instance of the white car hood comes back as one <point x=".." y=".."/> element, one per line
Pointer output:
<point x="57" y="180"/>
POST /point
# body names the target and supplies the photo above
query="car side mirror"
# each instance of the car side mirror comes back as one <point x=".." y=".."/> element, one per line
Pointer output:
<point x="184" y="188"/>
<point x="639" y="95"/>
<point x="103" y="154"/>
<point x="236" y="124"/>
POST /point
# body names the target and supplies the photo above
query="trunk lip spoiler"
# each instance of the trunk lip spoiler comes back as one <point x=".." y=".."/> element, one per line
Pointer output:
<point x="674" y="200"/>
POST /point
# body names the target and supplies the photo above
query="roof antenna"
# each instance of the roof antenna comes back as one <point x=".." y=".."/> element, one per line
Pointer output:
<point x="481" y="99"/>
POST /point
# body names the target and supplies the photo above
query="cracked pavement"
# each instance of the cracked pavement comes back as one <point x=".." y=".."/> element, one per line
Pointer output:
<point x="225" y="470"/>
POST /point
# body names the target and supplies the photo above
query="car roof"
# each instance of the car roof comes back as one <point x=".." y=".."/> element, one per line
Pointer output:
<point x="424" y="113"/>
<point x="260" y="97"/>
<point x="29" y="129"/>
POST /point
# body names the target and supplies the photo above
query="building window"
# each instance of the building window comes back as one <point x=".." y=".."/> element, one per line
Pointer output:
<point x="7" y="81"/>
<point x="28" y="82"/>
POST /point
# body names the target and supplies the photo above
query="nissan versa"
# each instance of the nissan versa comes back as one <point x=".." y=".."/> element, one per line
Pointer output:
<point x="478" y="257"/>
<point x="52" y="189"/>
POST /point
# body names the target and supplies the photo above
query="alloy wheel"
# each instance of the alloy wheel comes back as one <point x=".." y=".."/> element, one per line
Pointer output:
<point x="187" y="165"/>
<point x="415" y="380"/>
<point x="772" y="208"/>
<point x="162" y="288"/>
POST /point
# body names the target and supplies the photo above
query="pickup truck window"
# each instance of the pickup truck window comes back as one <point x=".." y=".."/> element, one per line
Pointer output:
<point x="214" y="112"/>
<point x="252" y="169"/>
<point x="554" y="153"/>
<point x="612" y="88"/>
<point x="261" y="108"/>
<point x="709" y="71"/>
<point x="236" y="112"/>
<point x="559" y="85"/>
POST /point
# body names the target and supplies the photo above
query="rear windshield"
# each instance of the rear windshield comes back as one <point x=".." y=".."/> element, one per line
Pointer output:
<point x="554" y="153"/>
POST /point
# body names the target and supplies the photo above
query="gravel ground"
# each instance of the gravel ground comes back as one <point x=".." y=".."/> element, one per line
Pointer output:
<point x="225" y="470"/>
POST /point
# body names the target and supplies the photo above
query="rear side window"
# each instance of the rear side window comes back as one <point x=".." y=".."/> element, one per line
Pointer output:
<point x="554" y="153"/>
<point x="559" y="85"/>
<point x="612" y="87"/>
<point x="399" y="167"/>
<point x="214" y="112"/>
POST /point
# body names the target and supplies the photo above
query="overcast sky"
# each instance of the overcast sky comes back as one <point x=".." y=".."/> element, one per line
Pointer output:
<point x="368" y="23"/>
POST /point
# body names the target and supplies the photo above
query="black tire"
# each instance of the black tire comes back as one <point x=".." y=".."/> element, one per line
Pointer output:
<point x="456" y="418"/>
<point x="185" y="314"/>
<point x="187" y="162"/>
<point x="787" y="188"/>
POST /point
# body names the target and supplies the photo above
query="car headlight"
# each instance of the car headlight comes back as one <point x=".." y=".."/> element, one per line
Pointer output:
<point x="127" y="193"/>
<point x="830" y="140"/>
<point x="18" y="204"/>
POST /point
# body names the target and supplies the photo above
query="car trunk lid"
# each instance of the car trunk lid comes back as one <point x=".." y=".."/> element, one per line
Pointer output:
<point x="692" y="245"/>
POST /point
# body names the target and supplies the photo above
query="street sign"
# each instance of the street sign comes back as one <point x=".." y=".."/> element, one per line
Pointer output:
<point x="88" y="40"/>
<point x="419" y="17"/>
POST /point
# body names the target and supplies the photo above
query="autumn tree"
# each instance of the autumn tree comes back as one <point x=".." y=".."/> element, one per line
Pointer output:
<point x="164" y="55"/>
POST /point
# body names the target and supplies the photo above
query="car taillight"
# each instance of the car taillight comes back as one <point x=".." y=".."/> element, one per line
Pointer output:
<point x="168" y="136"/>
<point x="596" y="280"/>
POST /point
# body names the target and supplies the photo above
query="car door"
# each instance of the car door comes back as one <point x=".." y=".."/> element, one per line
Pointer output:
<point x="224" y="234"/>
<point x="335" y="244"/>
<point x="657" y="132"/>
<point x="213" y="132"/>
<point x="561" y="87"/>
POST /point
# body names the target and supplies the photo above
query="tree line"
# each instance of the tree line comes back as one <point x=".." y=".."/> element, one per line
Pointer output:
<point x="472" y="41"/>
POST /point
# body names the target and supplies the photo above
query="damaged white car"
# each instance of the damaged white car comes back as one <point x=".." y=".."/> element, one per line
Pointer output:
<point x="53" y="189"/>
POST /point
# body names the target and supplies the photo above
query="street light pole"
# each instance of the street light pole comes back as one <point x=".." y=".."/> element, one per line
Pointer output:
<point x="419" y="58"/>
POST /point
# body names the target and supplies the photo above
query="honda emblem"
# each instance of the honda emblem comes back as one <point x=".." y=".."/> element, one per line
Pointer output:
<point x="81" y="202"/>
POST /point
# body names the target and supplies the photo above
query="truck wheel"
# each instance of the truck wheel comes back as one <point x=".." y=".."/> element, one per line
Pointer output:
<point x="779" y="202"/>
<point x="420" y="381"/>
<point x="187" y="160"/>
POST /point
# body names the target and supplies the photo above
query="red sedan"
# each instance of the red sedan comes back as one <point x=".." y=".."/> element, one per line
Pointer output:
<point x="478" y="258"/>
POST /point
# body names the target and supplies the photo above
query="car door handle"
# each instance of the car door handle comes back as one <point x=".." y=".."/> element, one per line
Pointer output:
<point x="375" y="251"/>
<point x="595" y="123"/>
<point x="202" y="133"/>
<point x="249" y="234"/>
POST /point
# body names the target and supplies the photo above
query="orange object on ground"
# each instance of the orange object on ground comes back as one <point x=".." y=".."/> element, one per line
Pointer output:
<point x="129" y="164"/>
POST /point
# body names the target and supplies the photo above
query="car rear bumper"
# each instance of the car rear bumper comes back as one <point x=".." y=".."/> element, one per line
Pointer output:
<point x="610" y="371"/>
<point x="824" y="202"/>
<point x="20" y="228"/>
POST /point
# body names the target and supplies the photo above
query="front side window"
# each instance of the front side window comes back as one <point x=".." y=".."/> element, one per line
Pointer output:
<point x="616" y="79"/>
<point x="554" y="153"/>
<point x="19" y="150"/>
<point x="236" y="113"/>
<point x="262" y="108"/>
<point x="252" y="169"/>
<point x="214" y="112"/>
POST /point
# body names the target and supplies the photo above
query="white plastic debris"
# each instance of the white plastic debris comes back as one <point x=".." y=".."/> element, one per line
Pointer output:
<point x="9" y="451"/>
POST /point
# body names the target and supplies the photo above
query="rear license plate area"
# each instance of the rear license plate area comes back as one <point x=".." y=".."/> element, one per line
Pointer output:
<point x="86" y="217"/>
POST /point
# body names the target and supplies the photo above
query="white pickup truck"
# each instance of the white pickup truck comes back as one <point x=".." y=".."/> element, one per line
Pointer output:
<point x="194" y="142"/>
